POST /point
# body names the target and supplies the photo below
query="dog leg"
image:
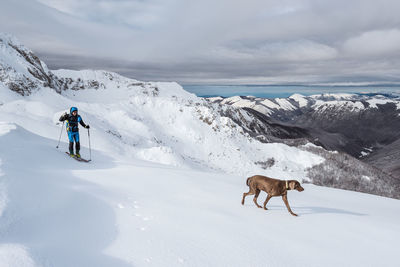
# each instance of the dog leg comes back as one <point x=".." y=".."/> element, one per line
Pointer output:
<point x="266" y="201"/>
<point x="255" y="198"/>
<point x="284" y="197"/>
<point x="251" y="192"/>
<point x="244" y="195"/>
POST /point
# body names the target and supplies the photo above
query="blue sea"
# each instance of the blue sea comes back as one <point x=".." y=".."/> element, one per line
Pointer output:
<point x="272" y="91"/>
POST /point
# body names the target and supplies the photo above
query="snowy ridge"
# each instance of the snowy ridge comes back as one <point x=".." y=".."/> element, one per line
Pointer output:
<point x="237" y="101"/>
<point x="346" y="105"/>
<point x="337" y="96"/>
<point x="300" y="99"/>
<point x="353" y="101"/>
<point x="284" y="104"/>
<point x="347" y="102"/>
<point x="20" y="70"/>
<point x="93" y="79"/>
<point x="381" y="100"/>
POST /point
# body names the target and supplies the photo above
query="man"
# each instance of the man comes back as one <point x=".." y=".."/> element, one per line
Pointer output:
<point x="72" y="129"/>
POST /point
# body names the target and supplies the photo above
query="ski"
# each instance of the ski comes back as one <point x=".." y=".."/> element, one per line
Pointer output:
<point x="78" y="159"/>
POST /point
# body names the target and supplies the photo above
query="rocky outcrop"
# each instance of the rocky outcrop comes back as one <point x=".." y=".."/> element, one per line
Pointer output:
<point x="21" y="70"/>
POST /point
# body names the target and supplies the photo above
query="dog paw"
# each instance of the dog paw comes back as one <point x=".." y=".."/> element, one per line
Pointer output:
<point x="266" y="208"/>
<point x="294" y="214"/>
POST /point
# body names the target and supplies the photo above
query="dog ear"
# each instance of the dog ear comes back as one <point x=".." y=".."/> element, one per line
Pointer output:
<point x="292" y="184"/>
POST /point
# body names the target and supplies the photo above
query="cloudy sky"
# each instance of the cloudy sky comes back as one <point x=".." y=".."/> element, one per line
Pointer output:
<point x="215" y="41"/>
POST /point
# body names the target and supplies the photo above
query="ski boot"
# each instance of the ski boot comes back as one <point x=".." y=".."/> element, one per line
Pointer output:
<point x="71" y="153"/>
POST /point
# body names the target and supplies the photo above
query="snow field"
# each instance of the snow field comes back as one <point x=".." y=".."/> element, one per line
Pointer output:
<point x="115" y="212"/>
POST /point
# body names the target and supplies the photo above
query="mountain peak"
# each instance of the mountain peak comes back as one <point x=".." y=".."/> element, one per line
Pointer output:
<point x="23" y="72"/>
<point x="20" y="69"/>
<point x="9" y="39"/>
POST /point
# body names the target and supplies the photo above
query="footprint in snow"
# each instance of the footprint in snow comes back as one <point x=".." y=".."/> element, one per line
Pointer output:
<point x="139" y="215"/>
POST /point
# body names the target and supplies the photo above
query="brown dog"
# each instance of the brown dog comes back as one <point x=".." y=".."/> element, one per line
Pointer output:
<point x="273" y="187"/>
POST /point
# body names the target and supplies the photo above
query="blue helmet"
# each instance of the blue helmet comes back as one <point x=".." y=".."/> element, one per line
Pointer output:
<point x="73" y="109"/>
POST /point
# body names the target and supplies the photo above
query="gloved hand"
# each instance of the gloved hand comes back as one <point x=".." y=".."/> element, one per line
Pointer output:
<point x="63" y="117"/>
<point x="87" y="127"/>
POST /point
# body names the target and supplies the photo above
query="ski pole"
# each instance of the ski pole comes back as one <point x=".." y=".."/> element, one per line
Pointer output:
<point x="90" y="149"/>
<point x="62" y="127"/>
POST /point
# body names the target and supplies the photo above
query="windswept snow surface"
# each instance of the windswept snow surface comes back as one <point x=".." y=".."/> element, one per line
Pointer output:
<point x="112" y="212"/>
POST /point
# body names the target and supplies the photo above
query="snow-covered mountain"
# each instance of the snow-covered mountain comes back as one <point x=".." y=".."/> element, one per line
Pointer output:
<point x="21" y="70"/>
<point x="358" y="124"/>
<point x="152" y="121"/>
<point x="166" y="178"/>
<point x="160" y="122"/>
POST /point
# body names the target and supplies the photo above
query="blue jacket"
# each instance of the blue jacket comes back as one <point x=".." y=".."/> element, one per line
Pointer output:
<point x="72" y="122"/>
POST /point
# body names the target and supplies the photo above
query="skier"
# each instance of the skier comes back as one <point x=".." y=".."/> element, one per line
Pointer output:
<point x="72" y="129"/>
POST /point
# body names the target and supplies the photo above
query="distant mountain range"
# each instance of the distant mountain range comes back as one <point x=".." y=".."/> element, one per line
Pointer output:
<point x="365" y="126"/>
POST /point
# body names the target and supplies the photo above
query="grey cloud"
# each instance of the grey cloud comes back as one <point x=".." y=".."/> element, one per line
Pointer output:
<point x="375" y="43"/>
<point x="217" y="72"/>
<point x="214" y="41"/>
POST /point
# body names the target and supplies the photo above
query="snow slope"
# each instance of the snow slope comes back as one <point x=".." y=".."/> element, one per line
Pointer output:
<point x="158" y="122"/>
<point x="59" y="212"/>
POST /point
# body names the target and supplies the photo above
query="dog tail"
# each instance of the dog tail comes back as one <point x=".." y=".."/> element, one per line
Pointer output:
<point x="247" y="181"/>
